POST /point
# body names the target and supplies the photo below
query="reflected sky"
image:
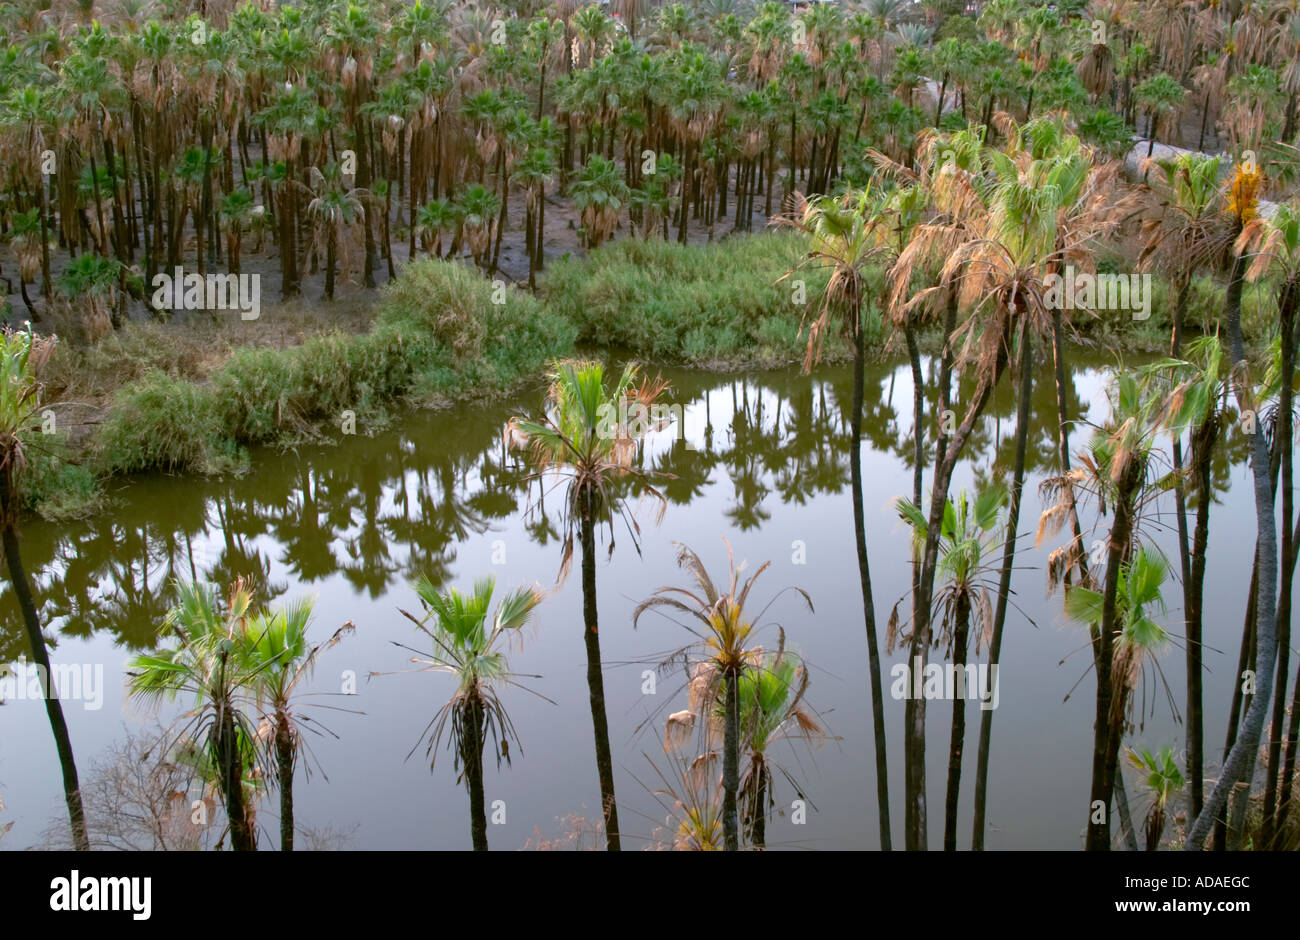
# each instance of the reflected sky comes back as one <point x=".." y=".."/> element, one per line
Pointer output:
<point x="760" y="459"/>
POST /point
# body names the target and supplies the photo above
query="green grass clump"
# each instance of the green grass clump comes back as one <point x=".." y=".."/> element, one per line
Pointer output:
<point x="253" y="392"/>
<point x="55" y="487"/>
<point x="165" y="423"/>
<point x="662" y="300"/>
<point x="461" y="334"/>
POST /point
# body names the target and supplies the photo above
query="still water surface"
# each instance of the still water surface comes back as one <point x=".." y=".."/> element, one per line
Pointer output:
<point x="761" y="459"/>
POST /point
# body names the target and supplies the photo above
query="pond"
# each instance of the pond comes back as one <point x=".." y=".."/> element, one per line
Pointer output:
<point x="759" y="459"/>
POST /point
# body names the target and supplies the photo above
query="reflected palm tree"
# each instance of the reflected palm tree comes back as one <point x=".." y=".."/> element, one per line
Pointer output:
<point x="308" y="551"/>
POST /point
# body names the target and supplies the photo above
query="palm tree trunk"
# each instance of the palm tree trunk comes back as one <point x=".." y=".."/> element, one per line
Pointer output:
<point x="595" y="680"/>
<point x="41" y="657"/>
<point x="1292" y="733"/>
<point x="1004" y="581"/>
<point x="1240" y="763"/>
<point x="1103" y="747"/>
<point x="1287" y="311"/>
<point x="473" y="760"/>
<point x="284" y="764"/>
<point x="330" y="253"/>
<point x="731" y="763"/>
<point x="1202" y="452"/>
<point x="45" y="247"/>
<point x="1191" y="604"/>
<point x="957" y="739"/>
<point x="910" y="721"/>
<point x="538" y="242"/>
<point x="758" y="819"/>
<point x="27" y="301"/>
<point x="230" y="769"/>
<point x="1127" y="832"/>
<point x="914" y="748"/>
<point x="918" y="413"/>
<point x="1239" y="696"/>
<point x="868" y="604"/>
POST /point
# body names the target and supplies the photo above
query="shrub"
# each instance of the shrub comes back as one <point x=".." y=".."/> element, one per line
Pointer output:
<point x="163" y="423"/>
<point x="55" y="487"/>
<point x="662" y="300"/>
<point x="442" y="299"/>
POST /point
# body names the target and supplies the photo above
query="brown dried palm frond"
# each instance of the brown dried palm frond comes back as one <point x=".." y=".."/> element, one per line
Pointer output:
<point x="1097" y="70"/>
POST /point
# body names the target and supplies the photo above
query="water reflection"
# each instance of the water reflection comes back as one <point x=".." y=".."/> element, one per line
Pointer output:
<point x="762" y="459"/>
<point x="382" y="509"/>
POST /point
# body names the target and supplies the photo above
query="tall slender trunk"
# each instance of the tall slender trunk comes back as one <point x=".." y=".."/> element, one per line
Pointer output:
<point x="595" y="680"/>
<point x="1105" y="734"/>
<point x="45" y="245"/>
<point x="1240" y="763"/>
<point x="284" y="759"/>
<point x="230" y="768"/>
<point x="1283" y="440"/>
<point x="1202" y="451"/>
<point x="1191" y="604"/>
<point x="331" y="249"/>
<point x="758" y="819"/>
<point x="1293" y="728"/>
<point x="472" y="757"/>
<point x="918" y="413"/>
<point x="1240" y="698"/>
<point x="957" y="739"/>
<point x="731" y="763"/>
<point x="864" y="575"/>
<point x="914" y="748"/>
<point x="1004" y="582"/>
<point x="41" y="657"/>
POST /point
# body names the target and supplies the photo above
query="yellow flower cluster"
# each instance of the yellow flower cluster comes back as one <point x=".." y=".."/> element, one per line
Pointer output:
<point x="1243" y="197"/>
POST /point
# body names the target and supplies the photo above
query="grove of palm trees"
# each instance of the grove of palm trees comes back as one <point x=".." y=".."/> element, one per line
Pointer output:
<point x="719" y="425"/>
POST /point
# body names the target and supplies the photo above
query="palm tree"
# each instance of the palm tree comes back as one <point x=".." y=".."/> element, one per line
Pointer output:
<point x="1004" y="231"/>
<point x="534" y="173"/>
<point x="237" y="212"/>
<point x="1161" y="96"/>
<point x="587" y="439"/>
<point x="1046" y="218"/>
<point x="1115" y="470"/>
<point x="772" y="709"/>
<point x="25" y="237"/>
<point x="210" y="662"/>
<point x="465" y="647"/>
<point x="23" y="358"/>
<point x="969" y="535"/>
<point x="93" y="281"/>
<point x="1193" y="405"/>
<point x="1136" y="638"/>
<point x="281" y="660"/>
<point x="694" y="803"/>
<point x="434" y="218"/>
<point x="842" y="240"/>
<point x="476" y="212"/>
<point x="1163" y="779"/>
<point x="334" y="209"/>
<point x="1240" y="762"/>
<point x="29" y="108"/>
<point x="1276" y="244"/>
<point x="599" y="194"/>
<point x="725" y="630"/>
